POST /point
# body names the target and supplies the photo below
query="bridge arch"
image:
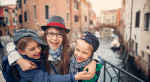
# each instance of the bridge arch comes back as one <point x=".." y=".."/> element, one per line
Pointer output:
<point x="97" y="28"/>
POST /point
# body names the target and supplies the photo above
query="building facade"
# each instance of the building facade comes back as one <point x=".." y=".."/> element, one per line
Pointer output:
<point x="8" y="14"/>
<point x="136" y="34"/>
<point x="108" y="17"/>
<point x="35" y="13"/>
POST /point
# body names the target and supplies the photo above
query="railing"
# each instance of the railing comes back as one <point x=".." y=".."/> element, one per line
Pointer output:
<point x="121" y="75"/>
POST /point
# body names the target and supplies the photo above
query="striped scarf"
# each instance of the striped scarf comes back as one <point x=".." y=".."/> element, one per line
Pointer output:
<point x="74" y="65"/>
<point x="55" y="53"/>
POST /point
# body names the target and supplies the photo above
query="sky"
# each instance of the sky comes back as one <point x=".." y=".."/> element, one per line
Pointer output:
<point x="97" y="5"/>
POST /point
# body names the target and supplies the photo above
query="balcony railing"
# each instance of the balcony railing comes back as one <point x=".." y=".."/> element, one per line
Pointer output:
<point x="120" y="74"/>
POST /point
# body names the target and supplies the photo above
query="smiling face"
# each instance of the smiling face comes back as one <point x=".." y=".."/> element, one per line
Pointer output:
<point x="32" y="50"/>
<point x="54" y="41"/>
<point x="83" y="51"/>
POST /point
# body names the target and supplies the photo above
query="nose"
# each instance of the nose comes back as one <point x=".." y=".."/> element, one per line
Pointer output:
<point x="38" y="49"/>
<point x="54" y="37"/>
<point x="79" y="54"/>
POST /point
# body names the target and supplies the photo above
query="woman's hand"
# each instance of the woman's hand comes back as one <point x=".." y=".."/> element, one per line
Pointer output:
<point x="82" y="76"/>
<point x="91" y="69"/>
<point x="26" y="64"/>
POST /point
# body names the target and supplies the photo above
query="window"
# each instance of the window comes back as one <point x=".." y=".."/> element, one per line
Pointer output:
<point x="16" y="22"/>
<point x="20" y="18"/>
<point x="16" y="14"/>
<point x="91" y="22"/>
<point x="19" y="3"/>
<point x="132" y="45"/>
<point x="146" y="22"/>
<point x="75" y="4"/>
<point x="28" y="15"/>
<point x="147" y="47"/>
<point x="136" y="48"/>
<point x="6" y="19"/>
<point x="13" y="20"/>
<point x="67" y="2"/>
<point x="14" y="31"/>
<point x="142" y="54"/>
<point x="76" y="18"/>
<point x="6" y="10"/>
<point x="24" y="1"/>
<point x="34" y="12"/>
<point x="85" y="18"/>
<point x="16" y="7"/>
<point x="13" y="11"/>
<point x="137" y="21"/>
<point x="67" y="16"/>
<point x="47" y="12"/>
<point x="25" y="17"/>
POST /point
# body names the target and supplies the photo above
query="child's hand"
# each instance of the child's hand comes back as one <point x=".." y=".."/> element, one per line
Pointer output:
<point x="82" y="76"/>
<point x="91" y="69"/>
<point x="26" y="64"/>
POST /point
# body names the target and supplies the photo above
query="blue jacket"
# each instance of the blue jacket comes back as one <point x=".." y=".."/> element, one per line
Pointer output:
<point x="40" y="75"/>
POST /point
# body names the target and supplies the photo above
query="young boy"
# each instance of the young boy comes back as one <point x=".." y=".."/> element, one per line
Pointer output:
<point x="86" y="45"/>
<point x="31" y="47"/>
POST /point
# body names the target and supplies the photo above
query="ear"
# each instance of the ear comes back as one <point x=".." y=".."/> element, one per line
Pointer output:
<point x="21" y="52"/>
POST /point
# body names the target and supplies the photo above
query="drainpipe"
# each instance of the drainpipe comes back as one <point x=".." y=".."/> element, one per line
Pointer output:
<point x="70" y="4"/>
<point x="131" y="24"/>
<point x="89" y="16"/>
<point x="22" y="14"/>
<point x="80" y="16"/>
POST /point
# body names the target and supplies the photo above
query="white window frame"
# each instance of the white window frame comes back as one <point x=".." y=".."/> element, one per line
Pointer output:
<point x="8" y="20"/>
<point x="67" y="3"/>
<point x="145" y="22"/>
<point x="48" y="12"/>
<point x="68" y="16"/>
<point x="14" y="23"/>
<point x="35" y="16"/>
<point x="75" y="5"/>
<point x="26" y="17"/>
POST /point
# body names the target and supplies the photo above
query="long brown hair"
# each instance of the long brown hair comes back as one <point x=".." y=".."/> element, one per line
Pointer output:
<point x="64" y="67"/>
<point x="45" y="54"/>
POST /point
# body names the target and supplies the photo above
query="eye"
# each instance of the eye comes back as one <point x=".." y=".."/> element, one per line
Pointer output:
<point x="50" y="33"/>
<point x="32" y="49"/>
<point x="84" y="52"/>
<point x="59" y="34"/>
<point x="77" y="50"/>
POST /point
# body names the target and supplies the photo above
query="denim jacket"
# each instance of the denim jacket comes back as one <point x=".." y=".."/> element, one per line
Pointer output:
<point x="40" y="75"/>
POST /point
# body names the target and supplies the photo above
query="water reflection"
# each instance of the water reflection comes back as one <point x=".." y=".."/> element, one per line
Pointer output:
<point x="114" y="57"/>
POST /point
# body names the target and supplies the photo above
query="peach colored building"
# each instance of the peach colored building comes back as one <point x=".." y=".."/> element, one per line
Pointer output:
<point x="8" y="15"/>
<point x="32" y="14"/>
<point x="108" y="17"/>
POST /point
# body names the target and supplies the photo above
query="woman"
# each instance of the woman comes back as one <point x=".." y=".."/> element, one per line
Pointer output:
<point x="55" y="35"/>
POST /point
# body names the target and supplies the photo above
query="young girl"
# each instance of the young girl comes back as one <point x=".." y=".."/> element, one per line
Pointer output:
<point x="86" y="45"/>
<point x="31" y="47"/>
<point x="55" y="35"/>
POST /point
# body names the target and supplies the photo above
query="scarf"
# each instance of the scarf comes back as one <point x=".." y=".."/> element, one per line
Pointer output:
<point x="55" y="53"/>
<point x="74" y="65"/>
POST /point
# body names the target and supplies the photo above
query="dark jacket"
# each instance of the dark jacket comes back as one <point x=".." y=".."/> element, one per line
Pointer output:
<point x="40" y="75"/>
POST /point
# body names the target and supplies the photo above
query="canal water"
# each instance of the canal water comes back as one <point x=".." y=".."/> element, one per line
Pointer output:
<point x="114" y="57"/>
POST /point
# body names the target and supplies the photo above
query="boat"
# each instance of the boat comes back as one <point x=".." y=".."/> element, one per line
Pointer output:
<point x="115" y="43"/>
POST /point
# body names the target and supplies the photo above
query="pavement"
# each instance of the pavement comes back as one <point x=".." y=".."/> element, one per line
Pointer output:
<point x="6" y="40"/>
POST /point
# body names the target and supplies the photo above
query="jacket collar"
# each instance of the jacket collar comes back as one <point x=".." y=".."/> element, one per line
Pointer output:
<point x="51" y="59"/>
